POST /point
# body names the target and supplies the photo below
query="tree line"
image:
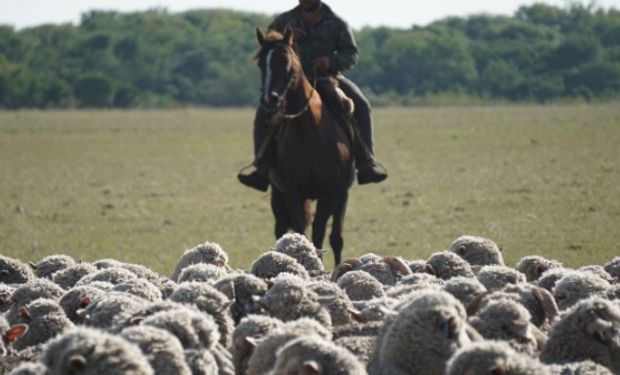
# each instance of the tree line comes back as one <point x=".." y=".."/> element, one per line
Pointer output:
<point x="204" y="58"/>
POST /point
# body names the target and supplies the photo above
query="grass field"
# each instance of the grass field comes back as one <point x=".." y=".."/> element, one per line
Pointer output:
<point x="143" y="186"/>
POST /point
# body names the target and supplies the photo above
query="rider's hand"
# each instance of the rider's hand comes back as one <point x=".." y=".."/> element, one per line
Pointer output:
<point x="321" y="64"/>
<point x="298" y="33"/>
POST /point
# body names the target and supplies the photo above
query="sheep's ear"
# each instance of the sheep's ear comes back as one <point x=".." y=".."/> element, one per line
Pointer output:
<point x="76" y="363"/>
<point x="33" y="266"/>
<point x="540" y="268"/>
<point x="220" y="263"/>
<point x="498" y="370"/>
<point x="136" y="320"/>
<point x="397" y="265"/>
<point x="429" y="269"/>
<point x="4" y="273"/>
<point x="474" y="305"/>
<point x="24" y="313"/>
<point x="260" y="37"/>
<point x="85" y="301"/>
<point x="550" y="307"/>
<point x="476" y="269"/>
<point x="226" y="305"/>
<point x="313" y="367"/>
<point x="357" y="315"/>
<point x="253" y="341"/>
<point x="15" y="332"/>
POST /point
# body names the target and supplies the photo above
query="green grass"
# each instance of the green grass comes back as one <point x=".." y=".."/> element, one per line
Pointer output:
<point x="143" y="186"/>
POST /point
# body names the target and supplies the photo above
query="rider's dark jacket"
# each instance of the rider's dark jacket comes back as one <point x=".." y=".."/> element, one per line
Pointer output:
<point x="329" y="36"/>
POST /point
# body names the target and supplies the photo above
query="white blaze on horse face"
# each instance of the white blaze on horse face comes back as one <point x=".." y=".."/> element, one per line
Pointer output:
<point x="267" y="83"/>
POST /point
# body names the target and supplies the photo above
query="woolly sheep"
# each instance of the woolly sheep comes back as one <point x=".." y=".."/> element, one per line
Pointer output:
<point x="360" y="285"/>
<point x="613" y="267"/>
<point x="265" y="353"/>
<point x="202" y="272"/>
<point x="289" y="299"/>
<point x="252" y="327"/>
<point x="579" y="368"/>
<point x="477" y="251"/>
<point x="375" y="309"/>
<point x="577" y="286"/>
<point x="465" y="289"/>
<point x="509" y="321"/>
<point x="549" y="278"/>
<point x="113" y="275"/>
<point x="13" y="271"/>
<point x="162" y="349"/>
<point x="387" y="270"/>
<point x="201" y="362"/>
<point x="599" y="271"/>
<point x="141" y="288"/>
<point x="491" y="358"/>
<point x="335" y="300"/>
<point x="86" y="351"/>
<point x="208" y="252"/>
<point x="45" y="319"/>
<point x="302" y="250"/>
<point x="52" y="263"/>
<point x="209" y="300"/>
<point x="588" y="330"/>
<point x="534" y="266"/>
<point x="28" y="292"/>
<point x="111" y="310"/>
<point x="447" y="265"/>
<point x="272" y="263"/>
<point x="422" y="336"/>
<point x="241" y="288"/>
<point x="29" y="368"/>
<point x="194" y="329"/>
<point x="538" y="301"/>
<point x="315" y="355"/>
<point x="496" y="277"/>
<point x="6" y="291"/>
<point x="420" y="266"/>
<point x="78" y="298"/>
<point x="68" y="277"/>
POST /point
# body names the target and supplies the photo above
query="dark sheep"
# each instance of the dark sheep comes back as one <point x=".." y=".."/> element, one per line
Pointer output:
<point x="534" y="266"/>
<point x="272" y="263"/>
<point x="53" y="263"/>
<point x="242" y="288"/>
<point x="45" y="319"/>
<point x="68" y="277"/>
<point x="30" y="291"/>
<point x="208" y="252"/>
<point x="13" y="271"/>
<point x="477" y="251"/>
<point x="448" y="264"/>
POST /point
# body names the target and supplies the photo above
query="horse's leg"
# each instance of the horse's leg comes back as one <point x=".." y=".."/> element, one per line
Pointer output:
<point x="278" y="207"/>
<point x="323" y="211"/>
<point x="335" y="237"/>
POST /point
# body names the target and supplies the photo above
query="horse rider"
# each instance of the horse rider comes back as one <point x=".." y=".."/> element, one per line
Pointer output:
<point x="326" y="47"/>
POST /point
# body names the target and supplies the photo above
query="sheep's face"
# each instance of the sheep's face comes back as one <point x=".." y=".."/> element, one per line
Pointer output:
<point x="601" y="320"/>
<point x="282" y="296"/>
<point x="574" y="287"/>
<point x="445" y="323"/>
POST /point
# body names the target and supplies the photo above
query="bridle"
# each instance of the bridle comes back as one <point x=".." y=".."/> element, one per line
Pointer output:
<point x="279" y="111"/>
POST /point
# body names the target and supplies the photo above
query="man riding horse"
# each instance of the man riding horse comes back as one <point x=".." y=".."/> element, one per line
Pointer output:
<point x="326" y="47"/>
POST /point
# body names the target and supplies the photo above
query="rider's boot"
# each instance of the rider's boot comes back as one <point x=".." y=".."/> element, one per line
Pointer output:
<point x="259" y="178"/>
<point x="367" y="169"/>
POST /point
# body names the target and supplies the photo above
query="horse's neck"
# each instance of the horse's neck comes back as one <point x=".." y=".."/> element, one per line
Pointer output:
<point x="303" y="95"/>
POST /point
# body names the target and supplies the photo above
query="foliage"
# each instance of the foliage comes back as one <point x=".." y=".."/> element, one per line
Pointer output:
<point x="204" y="58"/>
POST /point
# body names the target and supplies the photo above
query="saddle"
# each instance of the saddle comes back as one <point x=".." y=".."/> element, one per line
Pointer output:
<point x="338" y="103"/>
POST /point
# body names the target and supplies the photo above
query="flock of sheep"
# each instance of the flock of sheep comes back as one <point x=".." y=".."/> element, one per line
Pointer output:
<point x="462" y="311"/>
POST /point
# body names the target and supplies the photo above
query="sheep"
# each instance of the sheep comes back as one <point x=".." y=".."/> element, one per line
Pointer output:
<point x="580" y="368"/>
<point x="420" y="266"/>
<point x="250" y="328"/>
<point x="6" y="291"/>
<point x="577" y="286"/>
<point x="447" y="265"/>
<point x="507" y="320"/>
<point x="113" y="275"/>
<point x="289" y="299"/>
<point x="68" y="277"/>
<point x="464" y="289"/>
<point x="491" y="358"/>
<point x="315" y="355"/>
<point x="110" y="310"/>
<point x="272" y="263"/>
<point x="613" y="268"/>
<point x="539" y="302"/>
<point x="549" y="278"/>
<point x="360" y="285"/>
<point x="477" y="251"/>
<point x="45" y="319"/>
<point x="422" y="336"/>
<point x="86" y="351"/>
<point x="52" y="263"/>
<point x="302" y="250"/>
<point x="28" y="292"/>
<point x="387" y="270"/>
<point x="375" y="309"/>
<point x="162" y="349"/>
<point x="241" y="288"/>
<point x="496" y="277"/>
<point x="194" y="329"/>
<point x="13" y="271"/>
<point x="534" y="266"/>
<point x="335" y="300"/>
<point x="599" y="271"/>
<point x="141" y="288"/>
<point x="29" y="368"/>
<point x="209" y="300"/>
<point x="588" y="330"/>
<point x="202" y="272"/>
<point x="78" y="298"/>
<point x="208" y="252"/>
<point x="265" y="353"/>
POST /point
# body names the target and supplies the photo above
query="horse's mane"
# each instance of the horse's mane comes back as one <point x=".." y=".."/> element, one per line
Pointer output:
<point x="275" y="38"/>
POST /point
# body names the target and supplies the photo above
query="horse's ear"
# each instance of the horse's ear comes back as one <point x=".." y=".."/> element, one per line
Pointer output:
<point x="260" y="37"/>
<point x="289" y="35"/>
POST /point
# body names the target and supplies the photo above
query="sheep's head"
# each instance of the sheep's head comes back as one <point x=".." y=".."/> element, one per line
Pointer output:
<point x="600" y="320"/>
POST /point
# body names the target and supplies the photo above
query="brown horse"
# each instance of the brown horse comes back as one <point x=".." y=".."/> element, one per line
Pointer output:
<point x="314" y="158"/>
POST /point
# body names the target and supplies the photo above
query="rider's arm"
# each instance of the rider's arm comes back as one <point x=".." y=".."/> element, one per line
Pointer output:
<point x="346" y="54"/>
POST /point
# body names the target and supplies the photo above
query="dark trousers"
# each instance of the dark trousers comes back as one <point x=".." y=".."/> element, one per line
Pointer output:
<point x="362" y="117"/>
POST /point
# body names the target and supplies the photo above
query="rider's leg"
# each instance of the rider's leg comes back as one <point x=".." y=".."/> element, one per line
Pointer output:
<point x="259" y="178"/>
<point x="367" y="170"/>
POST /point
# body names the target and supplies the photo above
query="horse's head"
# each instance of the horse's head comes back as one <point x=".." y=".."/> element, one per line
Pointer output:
<point x="280" y="67"/>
